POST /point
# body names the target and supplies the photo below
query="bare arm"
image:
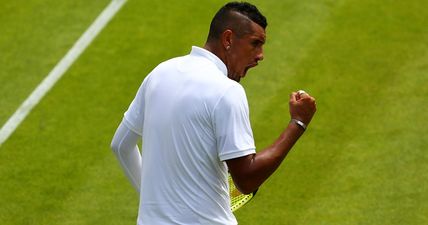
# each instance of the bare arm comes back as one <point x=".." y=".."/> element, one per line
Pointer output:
<point x="125" y="148"/>
<point x="250" y="171"/>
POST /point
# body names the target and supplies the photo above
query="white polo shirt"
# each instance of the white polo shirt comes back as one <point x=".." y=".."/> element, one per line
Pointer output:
<point x="192" y="118"/>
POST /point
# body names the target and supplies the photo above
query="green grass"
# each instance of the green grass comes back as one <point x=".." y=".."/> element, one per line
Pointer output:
<point x="35" y="35"/>
<point x="362" y="160"/>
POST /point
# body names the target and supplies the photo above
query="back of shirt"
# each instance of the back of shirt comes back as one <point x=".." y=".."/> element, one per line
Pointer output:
<point x="192" y="118"/>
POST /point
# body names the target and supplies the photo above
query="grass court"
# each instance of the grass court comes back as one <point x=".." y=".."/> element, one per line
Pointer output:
<point x="363" y="159"/>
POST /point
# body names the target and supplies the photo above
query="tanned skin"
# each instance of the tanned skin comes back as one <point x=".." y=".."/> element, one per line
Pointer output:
<point x="240" y="52"/>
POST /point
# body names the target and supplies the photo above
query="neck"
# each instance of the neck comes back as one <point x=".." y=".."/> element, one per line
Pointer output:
<point x="216" y="50"/>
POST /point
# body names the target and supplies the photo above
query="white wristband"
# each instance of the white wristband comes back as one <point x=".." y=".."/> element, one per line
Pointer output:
<point x="300" y="123"/>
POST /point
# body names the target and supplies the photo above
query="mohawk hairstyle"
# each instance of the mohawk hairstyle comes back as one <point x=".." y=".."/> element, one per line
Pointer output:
<point x="226" y="18"/>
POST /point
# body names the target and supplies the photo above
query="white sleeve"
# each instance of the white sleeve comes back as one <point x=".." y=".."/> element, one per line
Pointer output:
<point x="134" y="116"/>
<point x="232" y="125"/>
<point x="124" y="146"/>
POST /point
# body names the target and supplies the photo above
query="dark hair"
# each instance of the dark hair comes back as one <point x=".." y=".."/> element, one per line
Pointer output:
<point x="226" y="18"/>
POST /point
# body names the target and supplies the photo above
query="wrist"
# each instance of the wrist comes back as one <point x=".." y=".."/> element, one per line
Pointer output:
<point x="299" y="123"/>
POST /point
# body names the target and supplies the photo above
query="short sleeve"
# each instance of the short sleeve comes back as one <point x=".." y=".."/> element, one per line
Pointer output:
<point x="134" y="116"/>
<point x="232" y="125"/>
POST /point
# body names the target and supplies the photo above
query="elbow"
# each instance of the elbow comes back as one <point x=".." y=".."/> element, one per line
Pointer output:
<point x="114" y="145"/>
<point x="246" y="187"/>
<point x="247" y="191"/>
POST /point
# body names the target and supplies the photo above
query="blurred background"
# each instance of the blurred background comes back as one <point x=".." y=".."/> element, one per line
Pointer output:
<point x="361" y="161"/>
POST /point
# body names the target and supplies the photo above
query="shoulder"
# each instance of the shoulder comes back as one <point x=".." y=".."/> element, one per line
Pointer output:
<point x="233" y="96"/>
<point x="168" y="64"/>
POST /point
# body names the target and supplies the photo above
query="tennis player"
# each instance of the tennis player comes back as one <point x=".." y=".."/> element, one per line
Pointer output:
<point x="192" y="115"/>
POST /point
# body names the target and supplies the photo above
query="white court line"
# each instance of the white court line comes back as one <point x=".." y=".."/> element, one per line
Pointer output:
<point x="57" y="72"/>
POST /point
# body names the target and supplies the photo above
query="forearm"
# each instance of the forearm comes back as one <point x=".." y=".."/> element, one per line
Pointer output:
<point x="264" y="163"/>
<point x="124" y="146"/>
<point x="249" y="172"/>
<point x="269" y="159"/>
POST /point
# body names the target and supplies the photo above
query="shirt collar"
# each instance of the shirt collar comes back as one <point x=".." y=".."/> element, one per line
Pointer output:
<point x="197" y="51"/>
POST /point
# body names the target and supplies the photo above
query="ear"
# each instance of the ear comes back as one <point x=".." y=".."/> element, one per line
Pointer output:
<point x="226" y="39"/>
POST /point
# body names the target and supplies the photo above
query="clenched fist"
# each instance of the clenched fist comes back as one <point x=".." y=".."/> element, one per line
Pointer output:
<point x="302" y="106"/>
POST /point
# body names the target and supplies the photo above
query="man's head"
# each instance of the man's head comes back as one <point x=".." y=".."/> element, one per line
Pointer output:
<point x="237" y="34"/>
